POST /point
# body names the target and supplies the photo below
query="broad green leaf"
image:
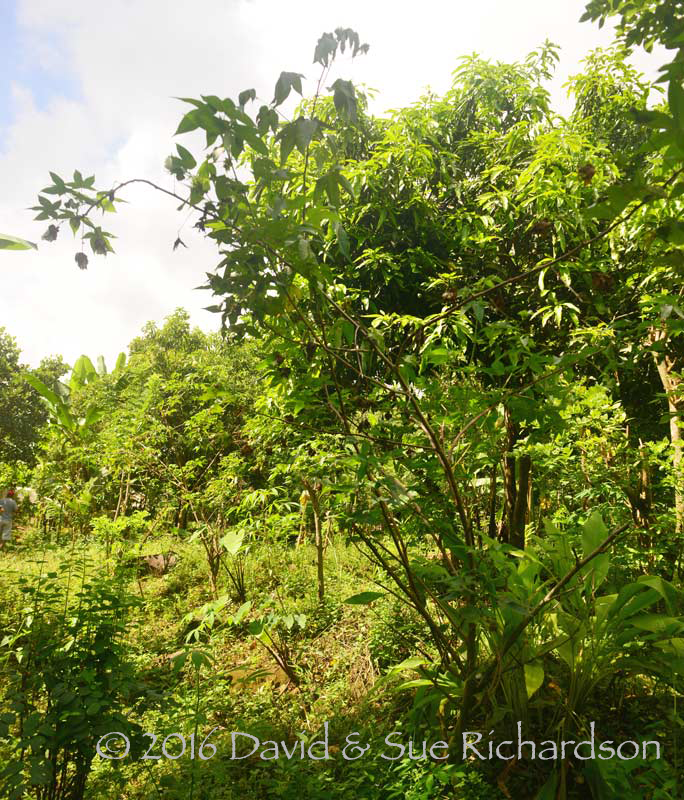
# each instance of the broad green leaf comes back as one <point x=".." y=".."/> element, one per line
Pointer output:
<point x="305" y="130"/>
<point x="186" y="157"/>
<point x="657" y="623"/>
<point x="178" y="662"/>
<point x="233" y="541"/>
<point x="415" y="684"/>
<point x="342" y="239"/>
<point x="83" y="372"/>
<point x="363" y="598"/>
<point x="344" y="98"/>
<point x="633" y="598"/>
<point x="673" y="646"/>
<point x="285" y="83"/>
<point x="326" y="47"/>
<point x="14" y="243"/>
<point x="534" y="677"/>
<point x="675" y="96"/>
<point x="594" y="532"/>
<point x="597" y="571"/>
<point x="242" y="612"/>
<point x="672" y="232"/>
<point x="120" y="363"/>
<point x="413" y="662"/>
<point x="93" y="414"/>
<point x="654" y="119"/>
<point x="43" y="390"/>
<point x="665" y="589"/>
<point x="253" y="138"/>
<point x="200" y="658"/>
<point x="267" y="118"/>
<point x="246" y="96"/>
<point x="288" y="139"/>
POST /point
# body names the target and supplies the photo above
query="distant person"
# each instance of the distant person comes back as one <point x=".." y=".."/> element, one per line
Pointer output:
<point x="8" y="508"/>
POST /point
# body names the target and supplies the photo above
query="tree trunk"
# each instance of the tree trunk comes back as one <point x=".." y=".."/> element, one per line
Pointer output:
<point x="673" y="390"/>
<point x="640" y="496"/>
<point x="118" y="502"/>
<point x="304" y="498"/>
<point x="491" y="530"/>
<point x="124" y="507"/>
<point x="522" y="498"/>
<point x="517" y="488"/>
<point x="312" y="491"/>
<point x="508" y="478"/>
<point x="319" y="545"/>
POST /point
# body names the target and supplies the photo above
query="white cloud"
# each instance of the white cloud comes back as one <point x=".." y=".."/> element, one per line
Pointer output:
<point x="130" y="59"/>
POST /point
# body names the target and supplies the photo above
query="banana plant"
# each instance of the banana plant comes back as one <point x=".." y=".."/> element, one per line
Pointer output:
<point x="85" y="372"/>
<point x="58" y="401"/>
<point x="72" y="427"/>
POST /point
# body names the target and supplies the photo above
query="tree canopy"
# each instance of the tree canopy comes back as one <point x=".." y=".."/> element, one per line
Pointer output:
<point x="454" y="335"/>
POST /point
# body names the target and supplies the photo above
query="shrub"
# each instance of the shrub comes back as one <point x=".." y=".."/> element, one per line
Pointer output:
<point x="68" y="681"/>
<point x="394" y="635"/>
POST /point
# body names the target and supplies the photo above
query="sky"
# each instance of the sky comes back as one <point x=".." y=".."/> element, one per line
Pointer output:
<point x="92" y="85"/>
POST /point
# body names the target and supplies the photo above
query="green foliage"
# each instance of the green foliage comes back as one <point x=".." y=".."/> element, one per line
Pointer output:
<point x="115" y="530"/>
<point x="155" y="432"/>
<point x="13" y="243"/>
<point x="236" y="545"/>
<point x="21" y="412"/>
<point x="451" y="335"/>
<point x="396" y="635"/>
<point x="415" y="781"/>
<point x="68" y="680"/>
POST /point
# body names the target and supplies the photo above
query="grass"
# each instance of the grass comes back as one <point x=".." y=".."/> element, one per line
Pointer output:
<point x="340" y="655"/>
<point x="244" y="689"/>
